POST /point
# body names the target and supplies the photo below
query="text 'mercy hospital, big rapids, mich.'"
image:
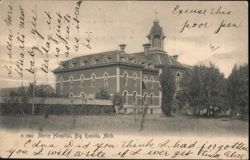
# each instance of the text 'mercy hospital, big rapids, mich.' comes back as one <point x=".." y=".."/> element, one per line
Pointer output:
<point x="135" y="75"/>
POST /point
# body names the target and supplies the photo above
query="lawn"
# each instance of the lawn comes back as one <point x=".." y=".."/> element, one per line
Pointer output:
<point x="126" y="124"/>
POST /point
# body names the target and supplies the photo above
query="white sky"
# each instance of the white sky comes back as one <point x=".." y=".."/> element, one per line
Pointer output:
<point x="113" y="23"/>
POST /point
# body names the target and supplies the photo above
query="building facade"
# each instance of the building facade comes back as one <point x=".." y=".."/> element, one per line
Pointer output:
<point x="134" y="75"/>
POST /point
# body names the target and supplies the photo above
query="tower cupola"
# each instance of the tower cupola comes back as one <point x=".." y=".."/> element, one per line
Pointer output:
<point x="156" y="36"/>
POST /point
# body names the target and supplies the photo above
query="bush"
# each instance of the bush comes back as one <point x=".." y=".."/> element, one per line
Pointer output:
<point x="102" y="94"/>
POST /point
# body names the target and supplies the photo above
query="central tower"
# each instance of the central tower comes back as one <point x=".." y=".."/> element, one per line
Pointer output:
<point x="156" y="36"/>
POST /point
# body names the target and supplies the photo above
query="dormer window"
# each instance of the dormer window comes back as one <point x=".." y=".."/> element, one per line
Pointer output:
<point x="72" y="63"/>
<point x="106" y="59"/>
<point x="124" y="59"/>
<point x="83" y="62"/>
<point x="132" y="60"/>
<point x="61" y="65"/>
<point x="150" y="65"/>
<point x="93" y="60"/>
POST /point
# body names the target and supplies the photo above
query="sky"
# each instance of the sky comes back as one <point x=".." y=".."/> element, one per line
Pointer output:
<point x="112" y="23"/>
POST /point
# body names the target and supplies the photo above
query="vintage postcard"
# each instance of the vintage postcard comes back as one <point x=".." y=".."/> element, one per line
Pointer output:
<point x="124" y="79"/>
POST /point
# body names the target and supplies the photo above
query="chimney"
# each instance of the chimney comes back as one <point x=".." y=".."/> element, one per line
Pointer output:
<point x="175" y="57"/>
<point x="146" y="48"/>
<point x="122" y="47"/>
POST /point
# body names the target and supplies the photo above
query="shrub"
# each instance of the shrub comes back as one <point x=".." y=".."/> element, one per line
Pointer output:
<point x="102" y="94"/>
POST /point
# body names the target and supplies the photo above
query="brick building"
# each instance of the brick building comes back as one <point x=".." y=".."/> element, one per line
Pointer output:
<point x="134" y="75"/>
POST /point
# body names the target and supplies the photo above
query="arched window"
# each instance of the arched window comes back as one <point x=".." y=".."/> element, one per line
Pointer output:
<point x="125" y="97"/>
<point x="82" y="81"/>
<point x="61" y="86"/>
<point x="177" y="80"/>
<point x="135" y="79"/>
<point x="125" y="76"/>
<point x="71" y="82"/>
<point x="145" y="82"/>
<point x="82" y="95"/>
<point x="145" y="98"/>
<point x="71" y="95"/>
<point x="93" y="76"/>
<point x="134" y="97"/>
<point x="71" y="79"/>
<point x="152" y="82"/>
<point x="151" y="102"/>
<point x="105" y="78"/>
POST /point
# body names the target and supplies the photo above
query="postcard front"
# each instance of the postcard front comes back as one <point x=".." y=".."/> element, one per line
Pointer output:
<point x="125" y="79"/>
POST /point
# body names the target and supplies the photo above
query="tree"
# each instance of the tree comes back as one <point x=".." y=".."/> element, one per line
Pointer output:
<point x="205" y="88"/>
<point x="238" y="93"/>
<point x="168" y="89"/>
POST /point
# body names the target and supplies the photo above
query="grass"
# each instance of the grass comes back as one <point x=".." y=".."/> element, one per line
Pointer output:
<point x="125" y="124"/>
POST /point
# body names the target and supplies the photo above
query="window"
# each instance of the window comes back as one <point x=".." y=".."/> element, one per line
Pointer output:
<point x="135" y="79"/>
<point x="151" y="102"/>
<point x="177" y="80"/>
<point x="61" y="65"/>
<point x="145" y="98"/>
<point x="105" y="78"/>
<point x="125" y="97"/>
<point x="71" y="82"/>
<point x="93" y="76"/>
<point x="132" y="59"/>
<point x="125" y="76"/>
<point x="145" y="82"/>
<point x="150" y="65"/>
<point x="82" y="95"/>
<point x="105" y="59"/>
<point x="71" y="95"/>
<point x="152" y="82"/>
<point x="124" y="59"/>
<point x="93" y="60"/>
<point x="82" y="81"/>
<point x="61" y="86"/>
<point x="83" y="62"/>
<point x="134" y="97"/>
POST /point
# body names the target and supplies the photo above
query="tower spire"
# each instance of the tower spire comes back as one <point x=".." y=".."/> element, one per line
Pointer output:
<point x="156" y="16"/>
<point x="156" y="36"/>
